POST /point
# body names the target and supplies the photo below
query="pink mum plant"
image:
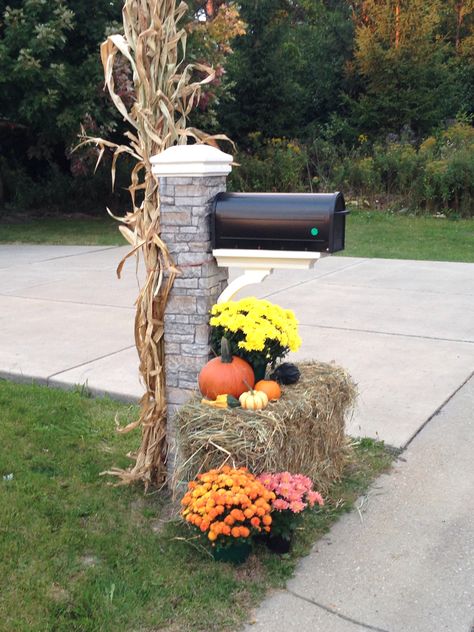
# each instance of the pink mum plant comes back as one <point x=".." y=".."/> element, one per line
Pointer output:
<point x="293" y="495"/>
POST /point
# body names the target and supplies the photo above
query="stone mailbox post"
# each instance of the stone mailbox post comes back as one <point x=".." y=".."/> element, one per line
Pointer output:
<point x="189" y="178"/>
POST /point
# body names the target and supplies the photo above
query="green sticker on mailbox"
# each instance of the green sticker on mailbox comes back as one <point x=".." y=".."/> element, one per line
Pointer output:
<point x="314" y="232"/>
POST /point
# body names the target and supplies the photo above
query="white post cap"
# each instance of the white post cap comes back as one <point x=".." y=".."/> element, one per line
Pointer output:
<point x="191" y="161"/>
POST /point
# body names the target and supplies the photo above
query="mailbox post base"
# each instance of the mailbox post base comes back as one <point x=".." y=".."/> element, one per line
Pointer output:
<point x="258" y="264"/>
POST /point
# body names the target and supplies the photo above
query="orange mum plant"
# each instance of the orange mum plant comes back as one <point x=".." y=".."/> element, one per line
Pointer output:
<point x="228" y="504"/>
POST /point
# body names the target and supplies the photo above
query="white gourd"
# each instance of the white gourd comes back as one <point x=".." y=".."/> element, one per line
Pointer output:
<point x="253" y="400"/>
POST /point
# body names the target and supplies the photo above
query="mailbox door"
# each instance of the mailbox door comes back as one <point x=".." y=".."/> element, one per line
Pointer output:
<point x="275" y="221"/>
<point x="338" y="229"/>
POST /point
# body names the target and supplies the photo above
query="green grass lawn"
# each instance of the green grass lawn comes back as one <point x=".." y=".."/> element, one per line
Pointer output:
<point x="79" y="554"/>
<point x="87" y="231"/>
<point x="390" y="236"/>
<point x="369" y="234"/>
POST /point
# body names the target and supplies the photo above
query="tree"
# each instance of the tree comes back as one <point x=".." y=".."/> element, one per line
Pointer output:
<point x="459" y="28"/>
<point x="51" y="84"/>
<point x="213" y="26"/>
<point x="49" y="70"/>
<point x="459" y="16"/>
<point x="287" y="71"/>
<point x="405" y="66"/>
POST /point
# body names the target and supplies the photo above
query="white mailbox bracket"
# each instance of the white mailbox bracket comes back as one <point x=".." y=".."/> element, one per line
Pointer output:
<point x="258" y="264"/>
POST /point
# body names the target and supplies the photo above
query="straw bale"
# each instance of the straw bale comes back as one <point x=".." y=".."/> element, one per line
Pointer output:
<point x="303" y="432"/>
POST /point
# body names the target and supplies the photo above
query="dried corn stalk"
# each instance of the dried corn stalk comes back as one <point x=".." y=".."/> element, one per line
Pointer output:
<point x="154" y="46"/>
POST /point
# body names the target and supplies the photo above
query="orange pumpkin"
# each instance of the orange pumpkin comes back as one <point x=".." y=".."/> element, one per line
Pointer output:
<point x="226" y="374"/>
<point x="270" y="387"/>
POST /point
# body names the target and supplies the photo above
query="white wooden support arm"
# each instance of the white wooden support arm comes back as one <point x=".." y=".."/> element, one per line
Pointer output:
<point x="258" y="264"/>
<point x="249" y="277"/>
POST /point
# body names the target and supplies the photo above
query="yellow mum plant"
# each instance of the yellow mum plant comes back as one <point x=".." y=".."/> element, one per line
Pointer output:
<point x="258" y="331"/>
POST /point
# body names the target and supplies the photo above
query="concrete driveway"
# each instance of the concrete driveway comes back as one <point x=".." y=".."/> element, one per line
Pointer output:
<point x="404" y="329"/>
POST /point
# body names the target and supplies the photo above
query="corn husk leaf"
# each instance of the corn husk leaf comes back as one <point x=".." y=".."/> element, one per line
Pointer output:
<point x="154" y="45"/>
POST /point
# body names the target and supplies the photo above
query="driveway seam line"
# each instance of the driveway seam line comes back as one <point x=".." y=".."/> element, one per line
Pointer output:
<point x="387" y="333"/>
<point x="366" y="626"/>
<point x="438" y="410"/>
<point x="395" y="289"/>
<point x="289" y="287"/>
<point x="58" y="300"/>
<point x="76" y="254"/>
<point x="77" y="366"/>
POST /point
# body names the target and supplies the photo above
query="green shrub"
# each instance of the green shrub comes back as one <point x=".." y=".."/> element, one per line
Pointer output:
<point x="60" y="191"/>
<point x="398" y="166"/>
<point x="457" y="137"/>
<point x="359" y="175"/>
<point x="438" y="176"/>
<point x="274" y="165"/>
<point x="435" y="176"/>
<point x="448" y="182"/>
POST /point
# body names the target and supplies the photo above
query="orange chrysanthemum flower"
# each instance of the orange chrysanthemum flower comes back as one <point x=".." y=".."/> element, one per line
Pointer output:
<point x="235" y="532"/>
<point x="237" y="514"/>
<point x="227" y="503"/>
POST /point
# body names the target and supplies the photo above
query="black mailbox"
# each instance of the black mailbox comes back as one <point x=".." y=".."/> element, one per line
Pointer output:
<point x="279" y="221"/>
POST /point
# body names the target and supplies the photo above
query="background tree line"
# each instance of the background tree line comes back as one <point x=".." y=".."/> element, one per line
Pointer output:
<point x="372" y="96"/>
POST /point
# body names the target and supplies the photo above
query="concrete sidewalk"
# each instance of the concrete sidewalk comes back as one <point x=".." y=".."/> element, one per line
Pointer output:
<point x="406" y="562"/>
<point x="404" y="329"/>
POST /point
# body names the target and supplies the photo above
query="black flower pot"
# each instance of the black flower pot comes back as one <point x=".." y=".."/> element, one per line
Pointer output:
<point x="236" y="553"/>
<point x="261" y="538"/>
<point x="278" y="544"/>
<point x="259" y="369"/>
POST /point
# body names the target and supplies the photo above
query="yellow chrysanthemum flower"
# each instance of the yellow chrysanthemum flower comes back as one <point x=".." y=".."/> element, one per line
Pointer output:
<point x="262" y="324"/>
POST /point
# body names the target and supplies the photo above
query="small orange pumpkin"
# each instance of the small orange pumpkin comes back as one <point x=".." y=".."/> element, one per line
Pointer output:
<point x="270" y="387"/>
<point x="228" y="374"/>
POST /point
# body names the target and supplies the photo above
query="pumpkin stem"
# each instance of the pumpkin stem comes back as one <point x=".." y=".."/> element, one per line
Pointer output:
<point x="247" y="384"/>
<point x="226" y="356"/>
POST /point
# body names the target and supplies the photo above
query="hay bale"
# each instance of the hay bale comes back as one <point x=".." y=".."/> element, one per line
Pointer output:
<point x="303" y="432"/>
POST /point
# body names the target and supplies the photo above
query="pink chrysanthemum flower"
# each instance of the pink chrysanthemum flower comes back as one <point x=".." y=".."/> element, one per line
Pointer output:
<point x="283" y="490"/>
<point x="280" y="505"/>
<point x="297" y="506"/>
<point x="293" y="491"/>
<point x="315" y="497"/>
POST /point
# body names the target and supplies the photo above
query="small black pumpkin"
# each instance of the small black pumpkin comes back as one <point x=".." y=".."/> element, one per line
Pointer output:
<point x="286" y="373"/>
